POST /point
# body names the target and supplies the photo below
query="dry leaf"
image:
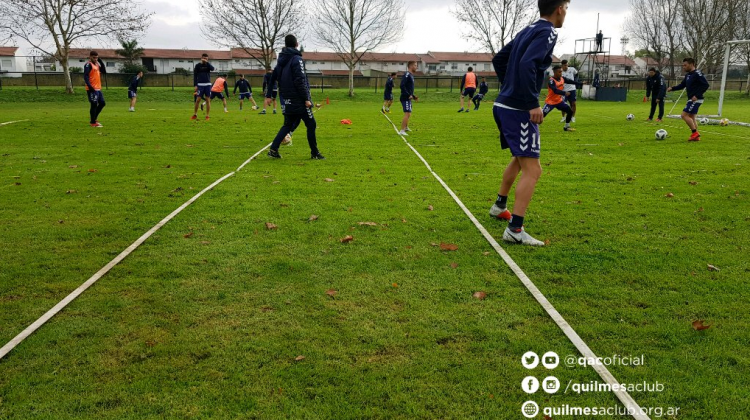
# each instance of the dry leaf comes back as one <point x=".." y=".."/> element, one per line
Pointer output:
<point x="454" y="265"/>
<point x="61" y="221"/>
<point x="299" y="359"/>
<point x="699" y="325"/>
<point x="329" y="180"/>
<point x="270" y="226"/>
<point x="367" y="223"/>
<point x="434" y="244"/>
<point x="205" y="242"/>
<point x="430" y="208"/>
<point x="409" y="247"/>
<point x="486" y="253"/>
<point x="151" y="343"/>
<point x="700" y="209"/>
<point x="395" y="285"/>
<point x="188" y="235"/>
<point x="267" y="176"/>
<point x="73" y="166"/>
<point x="448" y="247"/>
<point x="71" y="192"/>
<point x="403" y="220"/>
<point x="276" y="182"/>
<point x="546" y="242"/>
<point x="347" y="238"/>
<point x="712" y="268"/>
<point x="331" y="292"/>
<point x="670" y="195"/>
<point x="312" y="218"/>
<point x="93" y="170"/>
<point x="479" y="295"/>
<point x="693" y="182"/>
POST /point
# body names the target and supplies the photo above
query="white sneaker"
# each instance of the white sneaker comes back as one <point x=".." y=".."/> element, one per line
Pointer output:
<point x="402" y="133"/>
<point x="573" y="119"/>
<point x="132" y="110"/>
<point x="500" y="213"/>
<point x="521" y="237"/>
<point x="563" y="119"/>
<point x="408" y="129"/>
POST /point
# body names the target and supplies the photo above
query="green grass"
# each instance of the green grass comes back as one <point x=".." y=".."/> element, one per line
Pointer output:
<point x="205" y="320"/>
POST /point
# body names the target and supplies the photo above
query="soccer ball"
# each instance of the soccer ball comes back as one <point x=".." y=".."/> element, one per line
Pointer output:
<point x="255" y="107"/>
<point x="661" y="134"/>
<point x="703" y="121"/>
<point x="724" y="122"/>
<point x="630" y="117"/>
<point x="287" y="140"/>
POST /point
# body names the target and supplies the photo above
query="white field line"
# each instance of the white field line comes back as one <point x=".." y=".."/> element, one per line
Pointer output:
<point x="584" y="349"/>
<point x="104" y="270"/>
<point x="12" y="122"/>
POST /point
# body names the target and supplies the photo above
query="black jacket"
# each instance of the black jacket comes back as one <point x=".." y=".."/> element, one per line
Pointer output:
<point x="290" y="74"/>
<point x="656" y="85"/>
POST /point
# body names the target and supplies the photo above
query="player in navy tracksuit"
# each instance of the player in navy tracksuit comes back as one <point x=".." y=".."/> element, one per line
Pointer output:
<point x="246" y="92"/>
<point x="294" y="88"/>
<point x="520" y="68"/>
<point x="407" y="95"/>
<point x="270" y="88"/>
<point x="696" y="85"/>
<point x="133" y="89"/>
<point x="202" y="83"/>
<point x="656" y="88"/>
<point x="388" y="94"/>
<point x="483" y="89"/>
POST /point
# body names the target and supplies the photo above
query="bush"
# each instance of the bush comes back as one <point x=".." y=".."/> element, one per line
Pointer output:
<point x="75" y="69"/>
<point x="231" y="74"/>
<point x="133" y="68"/>
<point x="182" y="71"/>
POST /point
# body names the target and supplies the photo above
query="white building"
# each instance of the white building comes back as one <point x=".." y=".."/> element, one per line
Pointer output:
<point x="10" y="64"/>
<point x="156" y="60"/>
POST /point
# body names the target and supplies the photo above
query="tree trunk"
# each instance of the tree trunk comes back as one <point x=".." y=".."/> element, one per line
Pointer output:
<point x="351" y="81"/>
<point x="66" y="72"/>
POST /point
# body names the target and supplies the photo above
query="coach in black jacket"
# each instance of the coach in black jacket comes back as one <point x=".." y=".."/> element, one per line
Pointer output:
<point x="295" y="91"/>
<point x="657" y="90"/>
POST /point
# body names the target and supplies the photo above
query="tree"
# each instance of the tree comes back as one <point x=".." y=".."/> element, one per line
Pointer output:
<point x="655" y="26"/>
<point x="711" y="24"/>
<point x="493" y="23"/>
<point x="742" y="32"/>
<point x="352" y="28"/>
<point x="54" y="26"/>
<point x="130" y="51"/>
<point x="256" y="26"/>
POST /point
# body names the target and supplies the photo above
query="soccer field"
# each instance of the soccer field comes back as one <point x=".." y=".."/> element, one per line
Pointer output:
<point x="219" y="316"/>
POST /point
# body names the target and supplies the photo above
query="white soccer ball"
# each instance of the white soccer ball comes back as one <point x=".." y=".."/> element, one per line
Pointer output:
<point x="255" y="107"/>
<point x="630" y="117"/>
<point x="661" y="134"/>
<point x="703" y="121"/>
<point x="724" y="122"/>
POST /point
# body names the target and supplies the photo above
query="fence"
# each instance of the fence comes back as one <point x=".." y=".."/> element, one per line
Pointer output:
<point x="317" y="82"/>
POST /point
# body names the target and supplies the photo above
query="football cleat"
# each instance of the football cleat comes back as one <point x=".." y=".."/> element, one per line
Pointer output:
<point x="500" y="213"/>
<point x="520" y="236"/>
<point x="273" y="154"/>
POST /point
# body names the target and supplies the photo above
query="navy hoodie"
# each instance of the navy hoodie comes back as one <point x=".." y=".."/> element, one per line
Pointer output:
<point x="292" y="80"/>
<point x="656" y="86"/>
<point x="696" y="84"/>
<point x="522" y="63"/>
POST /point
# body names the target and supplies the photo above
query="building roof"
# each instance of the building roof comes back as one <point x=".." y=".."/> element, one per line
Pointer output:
<point x="390" y="57"/>
<point x="108" y="53"/>
<point x="250" y="72"/>
<point x="8" y="51"/>
<point x="339" y="72"/>
<point x="428" y="59"/>
<point x="243" y="53"/>
<point x="320" y="56"/>
<point x="461" y="56"/>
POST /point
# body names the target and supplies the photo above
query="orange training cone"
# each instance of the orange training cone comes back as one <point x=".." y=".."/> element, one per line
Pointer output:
<point x="328" y="101"/>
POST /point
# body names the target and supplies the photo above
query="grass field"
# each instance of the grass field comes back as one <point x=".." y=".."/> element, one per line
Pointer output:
<point x="209" y="318"/>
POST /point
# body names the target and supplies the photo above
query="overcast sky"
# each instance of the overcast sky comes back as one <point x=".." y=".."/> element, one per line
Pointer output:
<point x="430" y="26"/>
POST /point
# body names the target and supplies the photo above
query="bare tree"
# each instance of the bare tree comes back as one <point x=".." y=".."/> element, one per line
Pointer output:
<point x="493" y="23"/>
<point x="352" y="28"/>
<point x="708" y="26"/>
<point x="256" y="26"/>
<point x="742" y="32"/>
<point x="54" y="26"/>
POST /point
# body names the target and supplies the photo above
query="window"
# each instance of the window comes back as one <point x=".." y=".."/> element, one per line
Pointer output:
<point x="454" y="66"/>
<point x="322" y="62"/>
<point x="403" y="64"/>
<point x="110" y="64"/>
<point x="486" y="67"/>
<point x="7" y="64"/>
<point x="182" y="61"/>
<point x="80" y="61"/>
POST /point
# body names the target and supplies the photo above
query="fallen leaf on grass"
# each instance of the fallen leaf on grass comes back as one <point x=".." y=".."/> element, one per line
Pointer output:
<point x="403" y="220"/>
<point x="448" y="247"/>
<point x="73" y="166"/>
<point x="669" y="195"/>
<point x="276" y="182"/>
<point x="699" y="325"/>
<point x="479" y="295"/>
<point x="347" y="238"/>
<point x="712" y="268"/>
<point x="329" y="180"/>
<point x="434" y="244"/>
<point x="151" y="343"/>
<point x="454" y="265"/>
<point x="409" y="247"/>
<point x="546" y="241"/>
<point x="205" y="242"/>
<point x="61" y="221"/>
<point x="693" y="182"/>
<point x="395" y="285"/>
<point x="93" y="170"/>
<point x="313" y="218"/>
<point x="700" y="210"/>
<point x="486" y="253"/>
<point x="331" y="292"/>
<point x="270" y="226"/>
<point x="267" y="176"/>
<point x="71" y="192"/>
<point x="187" y="235"/>
<point x="430" y="208"/>
<point x="367" y="223"/>
<point x="299" y="359"/>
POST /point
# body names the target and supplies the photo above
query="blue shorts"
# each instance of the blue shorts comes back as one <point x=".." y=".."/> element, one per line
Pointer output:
<point x="131" y="94"/>
<point x="572" y="97"/>
<point x="562" y="106"/>
<point x="406" y="105"/>
<point x="469" y="92"/>
<point x="273" y="94"/>
<point x="388" y="96"/>
<point x="95" y="96"/>
<point x="217" y="95"/>
<point x="479" y="96"/>
<point x="246" y="95"/>
<point x="517" y="132"/>
<point x="692" y="107"/>
<point x="203" y="92"/>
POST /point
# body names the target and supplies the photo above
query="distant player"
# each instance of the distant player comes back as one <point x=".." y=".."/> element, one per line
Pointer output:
<point x="483" y="89"/>
<point x="696" y="85"/>
<point x="203" y="85"/>
<point x="388" y="94"/>
<point x="219" y="88"/>
<point x="246" y="92"/>
<point x="556" y="96"/>
<point x="570" y="74"/>
<point x="656" y="88"/>
<point x="133" y="89"/>
<point x="92" y="72"/>
<point x="407" y="95"/>
<point x="273" y="90"/>
<point x="520" y="68"/>
<point x="468" y="87"/>
<point x="599" y="39"/>
<point x="293" y="85"/>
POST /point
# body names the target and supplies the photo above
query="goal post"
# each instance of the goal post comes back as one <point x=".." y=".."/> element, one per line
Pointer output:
<point x="727" y="53"/>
